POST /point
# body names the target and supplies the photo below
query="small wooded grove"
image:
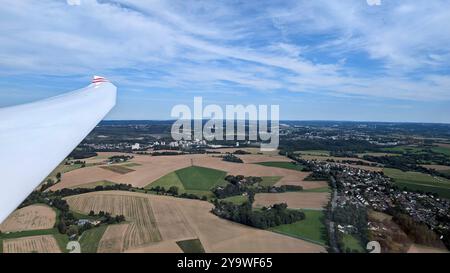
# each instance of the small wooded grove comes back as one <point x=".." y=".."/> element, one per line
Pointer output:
<point x="266" y="217"/>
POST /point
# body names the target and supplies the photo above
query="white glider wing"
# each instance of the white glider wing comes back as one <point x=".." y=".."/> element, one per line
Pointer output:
<point x="36" y="137"/>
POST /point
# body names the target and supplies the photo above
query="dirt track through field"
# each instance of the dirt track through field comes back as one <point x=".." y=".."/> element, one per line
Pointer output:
<point x="39" y="244"/>
<point x="179" y="219"/>
<point x="138" y="210"/>
<point x="32" y="217"/>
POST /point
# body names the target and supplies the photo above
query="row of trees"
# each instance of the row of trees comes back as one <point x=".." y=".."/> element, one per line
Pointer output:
<point x="232" y="158"/>
<point x="174" y="191"/>
<point x="238" y="185"/>
<point x="418" y="232"/>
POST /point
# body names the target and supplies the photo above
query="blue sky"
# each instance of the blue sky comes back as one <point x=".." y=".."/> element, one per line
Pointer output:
<point x="379" y="60"/>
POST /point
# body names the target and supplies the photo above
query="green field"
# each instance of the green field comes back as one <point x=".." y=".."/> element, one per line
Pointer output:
<point x="403" y="149"/>
<point x="194" y="180"/>
<point x="442" y="150"/>
<point x="237" y="200"/>
<point x="168" y="181"/>
<point x="314" y="152"/>
<point x="283" y="165"/>
<point x="269" y="181"/>
<point x="419" y="181"/>
<point x="191" y="246"/>
<point x="90" y="239"/>
<point x="62" y="240"/>
<point x="310" y="229"/>
<point x="94" y="184"/>
<point x="200" y="178"/>
<point x="352" y="243"/>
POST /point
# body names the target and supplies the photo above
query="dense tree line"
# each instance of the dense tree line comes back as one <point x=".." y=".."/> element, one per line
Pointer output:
<point x="351" y="145"/>
<point x="238" y="185"/>
<point x="167" y="153"/>
<point x="418" y="232"/>
<point x="174" y="191"/>
<point x="232" y="158"/>
<point x="120" y="158"/>
<point x="106" y="217"/>
<point x="352" y="215"/>
<point x="241" y="152"/>
<point x="80" y="154"/>
<point x="276" y="215"/>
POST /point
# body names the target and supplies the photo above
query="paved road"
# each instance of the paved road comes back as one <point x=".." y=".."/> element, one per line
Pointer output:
<point x="332" y="233"/>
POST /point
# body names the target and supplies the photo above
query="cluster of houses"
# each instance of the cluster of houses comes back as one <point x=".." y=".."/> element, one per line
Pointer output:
<point x="376" y="191"/>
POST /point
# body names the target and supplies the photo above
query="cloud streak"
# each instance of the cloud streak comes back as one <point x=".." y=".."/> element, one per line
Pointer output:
<point x="396" y="50"/>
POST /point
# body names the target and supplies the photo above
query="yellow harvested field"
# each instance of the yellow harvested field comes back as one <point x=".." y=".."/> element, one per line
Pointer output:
<point x="415" y="248"/>
<point x="172" y="223"/>
<point x="138" y="210"/>
<point x="294" y="200"/>
<point x="113" y="238"/>
<point x="161" y="247"/>
<point x="33" y="244"/>
<point x="263" y="158"/>
<point x="181" y="219"/>
<point x="33" y="217"/>
<point x="153" y="167"/>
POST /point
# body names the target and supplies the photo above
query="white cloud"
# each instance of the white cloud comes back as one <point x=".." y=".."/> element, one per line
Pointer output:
<point x="74" y="2"/>
<point x="373" y="2"/>
<point x="205" y="45"/>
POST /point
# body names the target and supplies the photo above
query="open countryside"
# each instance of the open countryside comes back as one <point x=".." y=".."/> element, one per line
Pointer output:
<point x="196" y="198"/>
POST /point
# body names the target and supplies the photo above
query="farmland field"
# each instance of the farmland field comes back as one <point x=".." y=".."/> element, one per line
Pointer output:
<point x="118" y="169"/>
<point x="168" y="181"/>
<point x="153" y="168"/>
<point x="138" y="210"/>
<point x="193" y="180"/>
<point x="94" y="184"/>
<point x="112" y="240"/>
<point x="91" y="238"/>
<point x="269" y="181"/>
<point x="442" y="150"/>
<point x="180" y="219"/>
<point x="191" y="246"/>
<point x="297" y="200"/>
<point x="34" y="217"/>
<point x="311" y="228"/>
<point x="200" y="178"/>
<point x="39" y="244"/>
<point x="420" y="181"/>
<point x="403" y="149"/>
<point x="284" y="165"/>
